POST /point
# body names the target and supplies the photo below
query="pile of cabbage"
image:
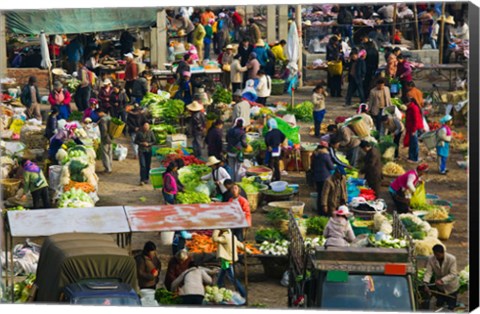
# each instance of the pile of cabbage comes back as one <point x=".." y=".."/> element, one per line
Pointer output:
<point x="75" y="198"/>
<point x="191" y="177"/>
<point x="215" y="294"/>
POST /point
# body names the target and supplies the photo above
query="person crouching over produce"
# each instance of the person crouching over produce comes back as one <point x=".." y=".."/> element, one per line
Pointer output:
<point x="444" y="267"/>
<point x="318" y="99"/>
<point x="339" y="232"/>
<point x="392" y="125"/>
<point x="444" y="136"/>
<point x="218" y="175"/>
<point x="403" y="187"/>
<point x="334" y="192"/>
<point x="170" y="189"/>
<point x="34" y="182"/>
<point x="190" y="284"/>
<point x="148" y="266"/>
<point x="145" y="139"/>
<point x="243" y="202"/>
<point x="372" y="166"/>
<point x="224" y="239"/>
<point x="321" y="166"/>
<point x="176" y="266"/>
<point x="91" y="112"/>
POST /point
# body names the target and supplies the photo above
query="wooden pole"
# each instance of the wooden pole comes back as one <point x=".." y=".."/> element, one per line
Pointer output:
<point x="416" y="26"/>
<point x="3" y="45"/>
<point x="442" y="31"/>
<point x="298" y="20"/>
<point x="162" y="51"/>
<point x="394" y="22"/>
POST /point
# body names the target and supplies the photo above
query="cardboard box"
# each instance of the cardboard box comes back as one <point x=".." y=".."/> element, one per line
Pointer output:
<point x="176" y="140"/>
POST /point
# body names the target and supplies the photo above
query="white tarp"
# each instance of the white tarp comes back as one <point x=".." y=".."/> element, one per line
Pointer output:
<point x="46" y="62"/>
<point x="293" y="49"/>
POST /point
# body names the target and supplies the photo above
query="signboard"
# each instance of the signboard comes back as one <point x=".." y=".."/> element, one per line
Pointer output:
<point x="185" y="217"/>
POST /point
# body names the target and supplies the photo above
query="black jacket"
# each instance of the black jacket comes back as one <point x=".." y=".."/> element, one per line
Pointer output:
<point x="26" y="97"/>
<point x="244" y="54"/>
<point x="274" y="138"/>
<point x="344" y="17"/>
<point x="198" y="123"/>
<point x="52" y="123"/>
<point x="360" y="70"/>
<point x="135" y="120"/>
<point x="372" y="56"/>
<point x="140" y="87"/>
<point x="214" y="142"/>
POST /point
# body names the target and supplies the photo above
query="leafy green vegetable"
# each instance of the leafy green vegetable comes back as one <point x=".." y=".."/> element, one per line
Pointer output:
<point x="249" y="186"/>
<point x="258" y="145"/>
<point x="316" y="225"/>
<point x="268" y="234"/>
<point x="303" y="111"/>
<point x="188" y="197"/>
<point x="277" y="214"/>
<point x="161" y="130"/>
<point x="117" y="121"/>
<point x="221" y="95"/>
<point x="163" y="296"/>
<point x="75" y="116"/>
<point x="287" y="191"/>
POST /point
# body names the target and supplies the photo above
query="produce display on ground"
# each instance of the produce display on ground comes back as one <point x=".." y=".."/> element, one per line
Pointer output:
<point x="277" y="248"/>
<point x="392" y="169"/>
<point x="165" y="297"/>
<point x="303" y="111"/>
<point x="218" y="295"/>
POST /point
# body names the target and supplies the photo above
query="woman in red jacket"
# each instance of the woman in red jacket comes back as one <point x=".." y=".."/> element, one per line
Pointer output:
<point x="413" y="125"/>
<point x="60" y="97"/>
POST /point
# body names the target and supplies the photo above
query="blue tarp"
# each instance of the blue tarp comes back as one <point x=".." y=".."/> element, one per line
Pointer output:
<point x="75" y="21"/>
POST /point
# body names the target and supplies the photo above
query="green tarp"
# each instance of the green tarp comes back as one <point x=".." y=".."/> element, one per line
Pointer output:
<point x="68" y="258"/>
<point x="74" y="21"/>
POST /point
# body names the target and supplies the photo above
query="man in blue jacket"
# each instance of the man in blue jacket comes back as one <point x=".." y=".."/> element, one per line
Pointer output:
<point x="74" y="54"/>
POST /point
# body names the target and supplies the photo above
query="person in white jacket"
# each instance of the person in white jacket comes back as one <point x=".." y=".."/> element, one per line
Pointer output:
<point x="190" y="284"/>
<point x="236" y="73"/>
<point x="264" y="87"/>
<point x="218" y="174"/>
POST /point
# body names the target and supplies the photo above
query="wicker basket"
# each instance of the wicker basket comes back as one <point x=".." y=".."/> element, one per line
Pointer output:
<point x="367" y="215"/>
<point x="359" y="127"/>
<point x="10" y="187"/>
<point x="278" y="88"/>
<point x="283" y="226"/>
<point x="253" y="199"/>
<point x="296" y="207"/>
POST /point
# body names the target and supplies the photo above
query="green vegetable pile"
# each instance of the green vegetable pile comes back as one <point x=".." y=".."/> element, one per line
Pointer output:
<point x="117" y="121"/>
<point x="5" y="210"/>
<point x="75" y="198"/>
<point x="188" y="197"/>
<point x="221" y="95"/>
<point x="215" y="294"/>
<point x="72" y="84"/>
<point x="164" y="297"/>
<point x="249" y="186"/>
<point x="161" y="107"/>
<point x="396" y="102"/>
<point x="190" y="176"/>
<point x="269" y="235"/>
<point x="277" y="214"/>
<point x="303" y="111"/>
<point x="21" y="290"/>
<point x="161" y="131"/>
<point x="258" y="145"/>
<point x="316" y="225"/>
<point x="390" y="242"/>
<point x="75" y="116"/>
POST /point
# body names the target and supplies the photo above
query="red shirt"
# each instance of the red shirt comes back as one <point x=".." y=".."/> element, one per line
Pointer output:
<point x="237" y="19"/>
<point x="245" y="207"/>
<point x="413" y="122"/>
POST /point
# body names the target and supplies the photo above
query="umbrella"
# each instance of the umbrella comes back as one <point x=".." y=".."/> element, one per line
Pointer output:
<point x="46" y="62"/>
<point x="293" y="49"/>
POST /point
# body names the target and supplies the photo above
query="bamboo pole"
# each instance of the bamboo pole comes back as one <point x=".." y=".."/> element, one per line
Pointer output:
<point x="298" y="21"/>
<point x="416" y="25"/>
<point x="442" y="31"/>
<point x="394" y="22"/>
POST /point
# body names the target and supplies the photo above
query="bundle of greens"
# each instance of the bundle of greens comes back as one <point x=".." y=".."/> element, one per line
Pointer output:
<point x="75" y="198"/>
<point x="249" y="185"/>
<point x="117" y="121"/>
<point x="316" y="225"/>
<point x="277" y="214"/>
<point x="161" y="131"/>
<point x="75" y="116"/>
<point x="221" y="95"/>
<point x="269" y="235"/>
<point x="165" y="297"/>
<point x="287" y="191"/>
<point x="188" y="197"/>
<point x="303" y="111"/>
<point x="258" y="145"/>
<point x="21" y="290"/>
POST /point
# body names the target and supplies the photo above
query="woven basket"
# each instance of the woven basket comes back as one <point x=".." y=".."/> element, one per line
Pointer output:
<point x="295" y="207"/>
<point x="283" y="226"/>
<point x="10" y="187"/>
<point x="278" y="88"/>
<point x="253" y="199"/>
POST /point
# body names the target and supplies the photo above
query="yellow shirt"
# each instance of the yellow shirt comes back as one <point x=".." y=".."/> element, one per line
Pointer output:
<point x="278" y="53"/>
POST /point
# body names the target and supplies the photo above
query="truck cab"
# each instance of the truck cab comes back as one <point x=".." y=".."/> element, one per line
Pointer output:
<point x="350" y="278"/>
<point x="93" y="292"/>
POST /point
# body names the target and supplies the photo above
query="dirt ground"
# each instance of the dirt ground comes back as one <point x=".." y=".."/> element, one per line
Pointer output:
<point x="121" y="188"/>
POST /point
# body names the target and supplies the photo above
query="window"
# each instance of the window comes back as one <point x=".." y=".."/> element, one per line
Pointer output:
<point x="363" y="292"/>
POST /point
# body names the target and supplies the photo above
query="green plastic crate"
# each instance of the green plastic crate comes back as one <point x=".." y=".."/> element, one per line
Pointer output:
<point x="156" y="177"/>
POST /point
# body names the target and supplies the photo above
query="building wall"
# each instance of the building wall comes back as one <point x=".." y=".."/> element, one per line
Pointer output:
<point x="22" y="74"/>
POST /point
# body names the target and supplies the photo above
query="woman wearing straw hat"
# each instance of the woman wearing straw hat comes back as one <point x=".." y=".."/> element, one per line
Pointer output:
<point x="339" y="232"/>
<point x="447" y="37"/>
<point x="218" y="174"/>
<point x="197" y="127"/>
<point x="444" y="136"/>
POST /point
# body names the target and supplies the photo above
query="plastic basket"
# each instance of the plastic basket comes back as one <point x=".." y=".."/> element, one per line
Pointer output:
<point x="444" y="228"/>
<point x="278" y="88"/>
<point x="115" y="130"/>
<point x="429" y="139"/>
<point x="156" y="177"/>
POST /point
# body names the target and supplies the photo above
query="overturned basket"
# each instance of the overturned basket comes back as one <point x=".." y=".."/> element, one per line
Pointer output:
<point x="10" y="187"/>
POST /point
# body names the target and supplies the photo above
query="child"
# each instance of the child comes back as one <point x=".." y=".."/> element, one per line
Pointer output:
<point x="318" y="99"/>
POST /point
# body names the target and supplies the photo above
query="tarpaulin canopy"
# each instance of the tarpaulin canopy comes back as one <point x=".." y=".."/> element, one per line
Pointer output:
<point x="74" y="21"/>
<point x="68" y="258"/>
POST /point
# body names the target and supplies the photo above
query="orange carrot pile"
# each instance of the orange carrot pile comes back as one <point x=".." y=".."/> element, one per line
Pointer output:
<point x="84" y="186"/>
<point x="458" y="136"/>
<point x="204" y="244"/>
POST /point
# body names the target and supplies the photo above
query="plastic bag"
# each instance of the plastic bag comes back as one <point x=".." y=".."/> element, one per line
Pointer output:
<point x="291" y="133"/>
<point x="419" y="197"/>
<point x="120" y="152"/>
<point x="285" y="279"/>
<point x="16" y="126"/>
